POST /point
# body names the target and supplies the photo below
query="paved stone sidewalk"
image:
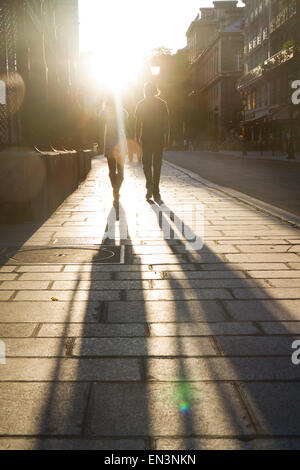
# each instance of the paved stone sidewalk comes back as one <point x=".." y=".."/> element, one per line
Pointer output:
<point x="164" y="346"/>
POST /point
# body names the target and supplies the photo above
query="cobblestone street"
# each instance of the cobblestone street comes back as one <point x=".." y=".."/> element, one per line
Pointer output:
<point x="142" y="342"/>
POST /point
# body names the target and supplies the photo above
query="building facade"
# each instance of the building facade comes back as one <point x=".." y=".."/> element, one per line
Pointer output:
<point x="215" y="40"/>
<point x="271" y="64"/>
<point x="38" y="60"/>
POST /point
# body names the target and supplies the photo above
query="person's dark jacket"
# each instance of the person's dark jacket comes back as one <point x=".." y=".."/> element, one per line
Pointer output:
<point x="152" y="121"/>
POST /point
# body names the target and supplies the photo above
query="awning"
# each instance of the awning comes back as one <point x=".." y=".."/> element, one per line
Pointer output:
<point x="282" y="113"/>
<point x="257" y="116"/>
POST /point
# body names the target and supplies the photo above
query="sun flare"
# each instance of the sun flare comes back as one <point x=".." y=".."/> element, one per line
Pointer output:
<point x="115" y="71"/>
<point x="119" y="35"/>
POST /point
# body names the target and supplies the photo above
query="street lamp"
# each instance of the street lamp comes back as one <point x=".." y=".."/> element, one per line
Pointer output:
<point x="155" y="70"/>
<point x="291" y="146"/>
<point x="244" y="103"/>
<point x="216" y="126"/>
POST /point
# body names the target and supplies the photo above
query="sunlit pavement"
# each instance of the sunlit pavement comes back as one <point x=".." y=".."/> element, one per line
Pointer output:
<point x="166" y="346"/>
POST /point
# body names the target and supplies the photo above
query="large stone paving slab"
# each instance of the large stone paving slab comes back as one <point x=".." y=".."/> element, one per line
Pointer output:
<point x="64" y="295"/>
<point x="264" y="310"/>
<point x="152" y="312"/>
<point x="16" y="330"/>
<point x="73" y="444"/>
<point x="256" y="346"/>
<point x="178" y="294"/>
<point x="223" y="369"/>
<point x="281" y="328"/>
<point x="276" y="407"/>
<point x="32" y="409"/>
<point x="144" y="347"/>
<point x="226" y="444"/>
<point x="125" y="409"/>
<point x="70" y="370"/>
<point x="50" y="312"/>
<point x="87" y="330"/>
<point x="203" y="329"/>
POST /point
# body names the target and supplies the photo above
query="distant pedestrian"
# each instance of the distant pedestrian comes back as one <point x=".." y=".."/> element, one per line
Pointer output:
<point x="291" y="147"/>
<point x="152" y="131"/>
<point x="191" y="145"/>
<point x="113" y="119"/>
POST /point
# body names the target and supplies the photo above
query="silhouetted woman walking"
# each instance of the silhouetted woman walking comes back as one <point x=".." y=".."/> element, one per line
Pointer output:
<point x="114" y="119"/>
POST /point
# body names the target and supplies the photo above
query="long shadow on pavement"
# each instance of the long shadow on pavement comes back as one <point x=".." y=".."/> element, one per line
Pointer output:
<point x="256" y="374"/>
<point x="130" y="378"/>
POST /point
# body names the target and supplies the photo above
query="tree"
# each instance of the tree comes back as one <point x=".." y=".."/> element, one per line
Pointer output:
<point x="174" y="84"/>
<point x="160" y="51"/>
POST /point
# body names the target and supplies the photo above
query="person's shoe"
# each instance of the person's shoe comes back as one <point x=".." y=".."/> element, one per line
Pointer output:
<point x="149" y="195"/>
<point x="158" y="200"/>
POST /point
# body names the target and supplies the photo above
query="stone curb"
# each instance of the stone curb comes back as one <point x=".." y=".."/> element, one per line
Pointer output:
<point x="281" y="214"/>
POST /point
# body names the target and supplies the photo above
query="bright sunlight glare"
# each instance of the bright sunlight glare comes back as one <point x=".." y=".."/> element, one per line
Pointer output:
<point x="119" y="34"/>
<point x="109" y="73"/>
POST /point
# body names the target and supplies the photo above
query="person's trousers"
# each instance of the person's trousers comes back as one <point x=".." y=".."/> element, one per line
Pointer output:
<point x="152" y="161"/>
<point x="116" y="172"/>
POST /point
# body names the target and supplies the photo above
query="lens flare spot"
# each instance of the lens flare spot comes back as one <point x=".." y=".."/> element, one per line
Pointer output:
<point x="184" y="407"/>
<point x="12" y="91"/>
<point x="183" y="397"/>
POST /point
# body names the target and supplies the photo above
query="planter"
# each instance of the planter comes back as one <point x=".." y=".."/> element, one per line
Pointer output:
<point x="33" y="184"/>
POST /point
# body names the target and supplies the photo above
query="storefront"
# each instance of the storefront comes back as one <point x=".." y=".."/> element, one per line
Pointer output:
<point x="272" y="129"/>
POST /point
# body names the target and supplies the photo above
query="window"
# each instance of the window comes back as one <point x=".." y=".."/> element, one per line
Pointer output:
<point x="259" y="91"/>
<point x="253" y="99"/>
<point x="238" y="61"/>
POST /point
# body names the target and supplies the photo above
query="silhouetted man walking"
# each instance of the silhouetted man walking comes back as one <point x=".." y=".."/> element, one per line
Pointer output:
<point x="152" y="131"/>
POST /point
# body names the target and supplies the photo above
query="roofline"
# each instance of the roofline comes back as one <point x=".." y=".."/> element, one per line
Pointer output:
<point x="199" y="23"/>
<point x="207" y="22"/>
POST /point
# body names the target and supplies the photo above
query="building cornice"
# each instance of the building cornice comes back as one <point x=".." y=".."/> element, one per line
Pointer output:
<point x="199" y="24"/>
<point x="218" y="77"/>
<point x="269" y="65"/>
<point x="219" y="36"/>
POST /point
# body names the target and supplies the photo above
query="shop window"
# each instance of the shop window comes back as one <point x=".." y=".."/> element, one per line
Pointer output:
<point x="253" y="99"/>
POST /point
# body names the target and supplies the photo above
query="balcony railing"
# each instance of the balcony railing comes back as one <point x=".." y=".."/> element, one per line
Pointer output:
<point x="283" y="17"/>
<point x="276" y="60"/>
<point x="251" y="76"/>
<point x="280" y="58"/>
